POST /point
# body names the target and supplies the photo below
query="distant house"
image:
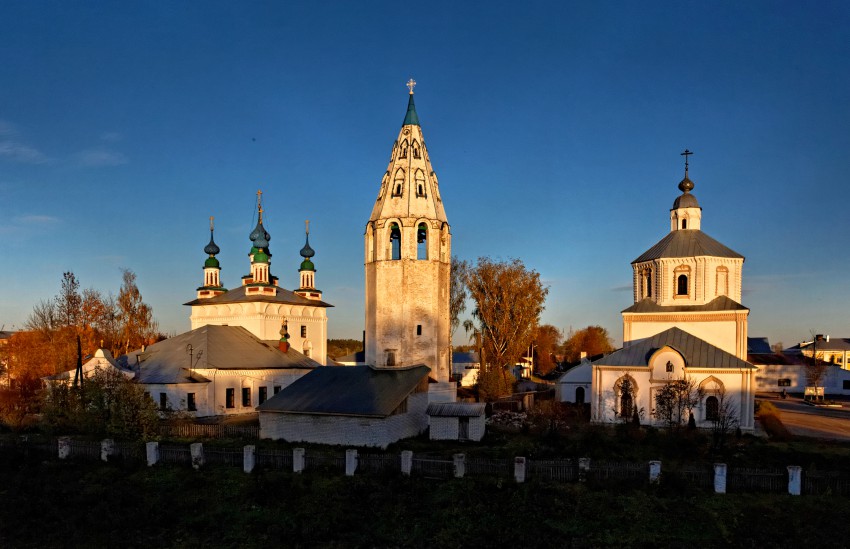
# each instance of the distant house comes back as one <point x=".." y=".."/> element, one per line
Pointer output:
<point x="101" y="362"/>
<point x="574" y="385"/>
<point x="354" y="359"/>
<point x="465" y="368"/>
<point x="456" y="421"/>
<point x="358" y="406"/>
<point x="834" y="350"/>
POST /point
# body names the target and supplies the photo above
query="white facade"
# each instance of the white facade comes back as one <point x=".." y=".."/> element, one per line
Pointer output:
<point x="407" y="256"/>
<point x="575" y="385"/>
<point x="377" y="432"/>
<point x="449" y="428"/>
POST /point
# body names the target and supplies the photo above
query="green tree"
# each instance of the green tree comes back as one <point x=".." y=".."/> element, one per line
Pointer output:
<point x="508" y="301"/>
<point x="593" y="340"/>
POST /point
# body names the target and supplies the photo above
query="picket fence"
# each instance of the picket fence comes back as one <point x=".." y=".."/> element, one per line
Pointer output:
<point x="708" y="477"/>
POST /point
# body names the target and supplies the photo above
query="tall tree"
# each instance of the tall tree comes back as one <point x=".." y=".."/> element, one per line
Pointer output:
<point x="508" y="301"/>
<point x="547" y="342"/>
<point x="69" y="302"/>
<point x="593" y="340"/>
<point x="137" y="325"/>
<point x="457" y="292"/>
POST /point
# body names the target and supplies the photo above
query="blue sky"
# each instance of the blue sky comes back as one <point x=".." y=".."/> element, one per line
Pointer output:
<point x="555" y="129"/>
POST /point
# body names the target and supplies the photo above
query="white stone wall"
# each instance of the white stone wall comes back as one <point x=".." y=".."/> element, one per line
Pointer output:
<point x="447" y="428"/>
<point x="347" y="430"/>
<point x="264" y="321"/>
<point x="729" y="335"/>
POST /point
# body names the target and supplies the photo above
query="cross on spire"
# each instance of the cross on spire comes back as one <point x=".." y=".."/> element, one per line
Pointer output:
<point x="686" y="154"/>
<point x="307" y="225"/>
<point x="411" y="84"/>
<point x="260" y="204"/>
<point x="211" y="223"/>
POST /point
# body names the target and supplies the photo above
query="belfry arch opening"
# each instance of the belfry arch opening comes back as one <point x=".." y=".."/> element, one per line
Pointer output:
<point x="422" y="241"/>
<point x="395" y="241"/>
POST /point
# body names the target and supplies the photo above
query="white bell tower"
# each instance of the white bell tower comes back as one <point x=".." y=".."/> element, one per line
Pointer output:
<point x="407" y="261"/>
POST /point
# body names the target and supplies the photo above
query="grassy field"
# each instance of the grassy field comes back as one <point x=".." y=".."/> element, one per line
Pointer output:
<point x="76" y="504"/>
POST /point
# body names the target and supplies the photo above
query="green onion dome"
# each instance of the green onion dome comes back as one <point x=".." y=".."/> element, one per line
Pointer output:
<point x="261" y="257"/>
<point x="211" y="262"/>
<point x="307" y="265"/>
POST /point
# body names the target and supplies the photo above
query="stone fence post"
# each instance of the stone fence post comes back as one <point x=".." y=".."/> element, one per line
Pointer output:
<point x="583" y="468"/>
<point x="197" y="451"/>
<point x="350" y="462"/>
<point x="794" y="479"/>
<point x="519" y="469"/>
<point x="459" y="465"/>
<point x="298" y="460"/>
<point x="107" y="449"/>
<point x="64" y="447"/>
<point x="654" y="472"/>
<point x="719" y="478"/>
<point x="249" y="457"/>
<point x="406" y="462"/>
<point x="152" y="453"/>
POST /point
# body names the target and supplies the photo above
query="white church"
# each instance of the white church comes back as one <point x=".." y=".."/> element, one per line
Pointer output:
<point x="687" y="321"/>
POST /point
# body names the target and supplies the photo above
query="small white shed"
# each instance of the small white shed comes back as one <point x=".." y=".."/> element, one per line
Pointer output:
<point x="456" y="420"/>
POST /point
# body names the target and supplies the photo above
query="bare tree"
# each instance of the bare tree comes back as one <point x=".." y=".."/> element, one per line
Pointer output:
<point x="508" y="301"/>
<point x="724" y="419"/>
<point x="675" y="401"/>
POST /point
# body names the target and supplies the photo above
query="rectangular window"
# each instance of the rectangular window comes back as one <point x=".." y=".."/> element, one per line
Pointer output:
<point x="230" y="398"/>
<point x="419" y="329"/>
<point x="847" y="384"/>
<point x="246" y="396"/>
<point x="303" y="331"/>
<point x="163" y="401"/>
<point x="264" y="394"/>
<point x="276" y="389"/>
<point x="784" y="382"/>
<point x="190" y="402"/>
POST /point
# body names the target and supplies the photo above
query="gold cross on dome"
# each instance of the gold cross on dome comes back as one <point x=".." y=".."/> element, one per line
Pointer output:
<point x="211" y="223"/>
<point x="411" y="84"/>
<point x="307" y="225"/>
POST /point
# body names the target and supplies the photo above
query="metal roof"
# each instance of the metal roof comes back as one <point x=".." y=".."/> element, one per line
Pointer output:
<point x="349" y="391"/>
<point x="697" y="353"/>
<point x="834" y="344"/>
<point x="213" y="347"/>
<point x="237" y="295"/>
<point x="456" y="409"/>
<point x="687" y="243"/>
<point x="758" y="345"/>
<point x="718" y="304"/>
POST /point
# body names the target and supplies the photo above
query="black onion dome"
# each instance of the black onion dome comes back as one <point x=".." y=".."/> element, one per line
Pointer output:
<point x="211" y="248"/>
<point x="307" y="252"/>
<point x="259" y="237"/>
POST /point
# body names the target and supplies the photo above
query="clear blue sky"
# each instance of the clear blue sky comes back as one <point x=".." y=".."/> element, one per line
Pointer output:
<point x="555" y="129"/>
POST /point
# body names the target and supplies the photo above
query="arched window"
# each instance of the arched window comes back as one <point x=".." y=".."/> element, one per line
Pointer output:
<point x="395" y="241"/>
<point x="682" y="284"/>
<point x="646" y="282"/>
<point x="422" y="241"/>
<point x="403" y="149"/>
<point x="416" y="149"/>
<point x="398" y="182"/>
<point x="420" y="183"/>
<point x="626" y="390"/>
<point x="712" y="408"/>
<point x="579" y="395"/>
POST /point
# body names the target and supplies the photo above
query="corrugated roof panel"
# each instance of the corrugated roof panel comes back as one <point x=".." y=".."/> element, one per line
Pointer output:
<point x="687" y="243"/>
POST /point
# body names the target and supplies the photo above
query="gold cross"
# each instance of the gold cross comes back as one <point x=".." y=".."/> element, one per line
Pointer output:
<point x="307" y="224"/>
<point x="211" y="223"/>
<point x="411" y="84"/>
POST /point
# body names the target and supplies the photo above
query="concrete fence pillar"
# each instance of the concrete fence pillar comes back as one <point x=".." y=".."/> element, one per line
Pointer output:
<point x="406" y="462"/>
<point x="654" y="472"/>
<point x="459" y="464"/>
<point x="249" y="457"/>
<point x="197" y="452"/>
<point x="350" y="462"/>
<point x="64" y="447"/>
<point x="519" y="469"/>
<point x="795" y="479"/>
<point x="152" y="453"/>
<point x="719" y="478"/>
<point x="298" y="460"/>
<point x="583" y="468"/>
<point x="107" y="449"/>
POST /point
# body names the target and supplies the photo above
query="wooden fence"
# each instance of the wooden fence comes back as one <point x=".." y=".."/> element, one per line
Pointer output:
<point x="199" y="430"/>
<point x="431" y="466"/>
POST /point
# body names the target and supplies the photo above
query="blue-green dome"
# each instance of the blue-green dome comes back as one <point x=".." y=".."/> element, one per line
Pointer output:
<point x="260" y="257"/>
<point x="259" y="236"/>
<point x="307" y="251"/>
<point x="211" y="262"/>
<point x="211" y="248"/>
<point x="307" y="265"/>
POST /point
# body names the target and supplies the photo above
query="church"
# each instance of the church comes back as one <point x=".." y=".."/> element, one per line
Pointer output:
<point x="687" y="321"/>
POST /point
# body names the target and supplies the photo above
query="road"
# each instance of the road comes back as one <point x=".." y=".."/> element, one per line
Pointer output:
<point x="810" y="421"/>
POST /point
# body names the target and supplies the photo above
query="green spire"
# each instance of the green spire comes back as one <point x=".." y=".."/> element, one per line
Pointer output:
<point x="411" y="119"/>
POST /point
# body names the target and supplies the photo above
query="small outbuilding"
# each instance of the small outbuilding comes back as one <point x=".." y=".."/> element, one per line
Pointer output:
<point x="456" y="420"/>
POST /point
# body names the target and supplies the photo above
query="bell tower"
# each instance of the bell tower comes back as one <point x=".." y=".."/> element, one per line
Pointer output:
<point x="407" y="260"/>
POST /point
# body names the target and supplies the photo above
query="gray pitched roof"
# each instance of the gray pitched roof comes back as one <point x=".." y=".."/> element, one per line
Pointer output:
<point x="720" y="303"/>
<point x="213" y="347"/>
<point x="456" y="409"/>
<point x="237" y="295"/>
<point x="350" y="391"/>
<point x="687" y="243"/>
<point x="697" y="353"/>
<point x="834" y="344"/>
